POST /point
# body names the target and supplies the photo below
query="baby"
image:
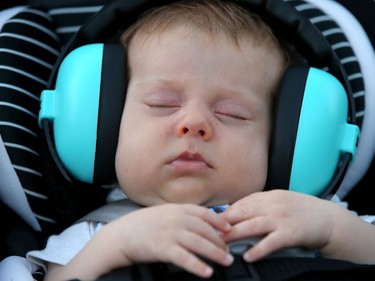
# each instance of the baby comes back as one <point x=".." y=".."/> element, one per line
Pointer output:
<point x="195" y="133"/>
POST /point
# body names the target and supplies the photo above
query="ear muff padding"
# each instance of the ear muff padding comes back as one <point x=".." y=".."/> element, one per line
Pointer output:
<point x="311" y="138"/>
<point x="112" y="100"/>
<point x="86" y="121"/>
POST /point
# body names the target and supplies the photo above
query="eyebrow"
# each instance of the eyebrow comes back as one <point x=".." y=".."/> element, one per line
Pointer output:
<point x="160" y="83"/>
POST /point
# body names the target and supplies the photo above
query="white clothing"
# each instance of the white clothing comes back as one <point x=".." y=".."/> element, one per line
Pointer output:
<point x="15" y="268"/>
<point x="62" y="248"/>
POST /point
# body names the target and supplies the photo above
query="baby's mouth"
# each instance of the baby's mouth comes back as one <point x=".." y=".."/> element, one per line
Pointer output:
<point x="189" y="162"/>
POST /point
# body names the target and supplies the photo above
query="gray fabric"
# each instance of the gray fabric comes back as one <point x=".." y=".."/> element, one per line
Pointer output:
<point x="111" y="211"/>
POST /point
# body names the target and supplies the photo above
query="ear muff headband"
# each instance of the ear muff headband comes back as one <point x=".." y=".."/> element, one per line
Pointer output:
<point x="287" y="23"/>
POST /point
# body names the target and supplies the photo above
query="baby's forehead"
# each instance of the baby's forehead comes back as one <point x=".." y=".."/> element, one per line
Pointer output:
<point x="203" y="21"/>
<point x="173" y="54"/>
<point x="201" y="40"/>
<point x="142" y="39"/>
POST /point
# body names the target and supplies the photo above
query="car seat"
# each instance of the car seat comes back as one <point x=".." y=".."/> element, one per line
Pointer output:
<point x="36" y="199"/>
<point x="31" y="39"/>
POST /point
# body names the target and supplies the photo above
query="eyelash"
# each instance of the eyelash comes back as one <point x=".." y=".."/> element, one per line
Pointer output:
<point x="162" y="107"/>
<point x="236" y="117"/>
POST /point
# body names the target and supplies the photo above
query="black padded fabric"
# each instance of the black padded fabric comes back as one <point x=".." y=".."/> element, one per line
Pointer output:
<point x="68" y="19"/>
<point x="360" y="198"/>
<point x="343" y="50"/>
<point x="18" y="238"/>
<point x="28" y="51"/>
<point x="29" y="48"/>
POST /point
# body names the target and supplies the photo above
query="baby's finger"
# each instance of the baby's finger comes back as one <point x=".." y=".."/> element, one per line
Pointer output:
<point x="241" y="210"/>
<point x="218" y="222"/>
<point x="264" y="247"/>
<point x="205" y="248"/>
<point x="190" y="262"/>
<point x="257" y="226"/>
<point x="206" y="231"/>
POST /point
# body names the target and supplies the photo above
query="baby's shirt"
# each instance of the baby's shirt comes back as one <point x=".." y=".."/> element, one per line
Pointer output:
<point x="63" y="247"/>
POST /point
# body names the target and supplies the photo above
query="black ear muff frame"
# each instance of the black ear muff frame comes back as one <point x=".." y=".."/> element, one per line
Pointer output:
<point x="320" y="139"/>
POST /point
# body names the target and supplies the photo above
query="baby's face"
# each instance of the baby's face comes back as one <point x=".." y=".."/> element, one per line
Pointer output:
<point x="196" y="123"/>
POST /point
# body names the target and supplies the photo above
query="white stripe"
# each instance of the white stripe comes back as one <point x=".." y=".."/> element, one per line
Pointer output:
<point x="9" y="124"/>
<point x="33" y="41"/>
<point x="35" y="194"/>
<point x="304" y="7"/>
<point x="355" y="76"/>
<point x="22" y="147"/>
<point x="18" y="89"/>
<point x="67" y="29"/>
<point x="360" y="113"/>
<point x="37" y="26"/>
<point x="43" y="218"/>
<point x="320" y="19"/>
<point x="331" y="31"/>
<point x="74" y="10"/>
<point x="340" y="45"/>
<point x="359" y="94"/>
<point x="19" y="108"/>
<point x="26" y="56"/>
<point x="349" y="59"/>
<point x="28" y="170"/>
<point x="24" y="73"/>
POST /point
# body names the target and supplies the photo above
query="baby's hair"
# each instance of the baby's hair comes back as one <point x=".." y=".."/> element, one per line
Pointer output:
<point x="214" y="17"/>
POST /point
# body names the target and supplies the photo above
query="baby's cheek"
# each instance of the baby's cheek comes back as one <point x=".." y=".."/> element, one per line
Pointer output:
<point x="123" y="165"/>
<point x="254" y="175"/>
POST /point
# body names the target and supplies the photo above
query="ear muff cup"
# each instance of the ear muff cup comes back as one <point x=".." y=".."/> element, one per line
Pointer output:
<point x="85" y="121"/>
<point x="310" y="135"/>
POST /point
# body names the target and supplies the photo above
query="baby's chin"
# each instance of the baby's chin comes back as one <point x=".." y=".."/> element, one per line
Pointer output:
<point x="157" y="200"/>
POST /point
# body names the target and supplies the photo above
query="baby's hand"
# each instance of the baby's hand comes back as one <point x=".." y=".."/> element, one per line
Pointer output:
<point x="179" y="234"/>
<point x="284" y="219"/>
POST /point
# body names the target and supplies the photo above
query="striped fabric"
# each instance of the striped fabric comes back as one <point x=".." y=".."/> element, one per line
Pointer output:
<point x="69" y="19"/>
<point x="25" y="65"/>
<point x="342" y="48"/>
<point x="30" y="44"/>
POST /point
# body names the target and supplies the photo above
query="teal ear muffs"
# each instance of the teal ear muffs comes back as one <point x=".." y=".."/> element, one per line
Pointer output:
<point x="86" y="104"/>
<point x="312" y="143"/>
<point x="313" y="138"/>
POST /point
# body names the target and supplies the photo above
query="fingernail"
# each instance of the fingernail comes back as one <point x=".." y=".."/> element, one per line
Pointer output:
<point x="229" y="259"/>
<point x="208" y="271"/>
<point x="228" y="226"/>
<point x="247" y="257"/>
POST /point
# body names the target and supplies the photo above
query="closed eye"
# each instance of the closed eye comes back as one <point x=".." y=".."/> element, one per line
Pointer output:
<point x="162" y="106"/>
<point x="231" y="116"/>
